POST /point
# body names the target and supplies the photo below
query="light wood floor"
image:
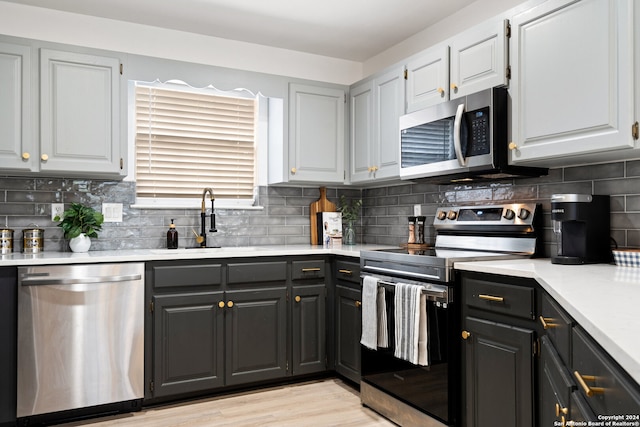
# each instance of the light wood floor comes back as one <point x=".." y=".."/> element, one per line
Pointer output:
<point x="327" y="402"/>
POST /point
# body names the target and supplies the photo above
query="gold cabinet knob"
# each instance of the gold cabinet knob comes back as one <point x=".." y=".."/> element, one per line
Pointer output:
<point x="454" y="87"/>
<point x="370" y="169"/>
<point x="561" y="410"/>
<point x="221" y="304"/>
<point x="230" y="304"/>
<point x="26" y="156"/>
<point x="374" y="168"/>
<point x="513" y="146"/>
<point x="358" y="304"/>
<point x="44" y="157"/>
<point x="441" y="91"/>
<point x="297" y="298"/>
<point x="465" y="335"/>
<point x="294" y="170"/>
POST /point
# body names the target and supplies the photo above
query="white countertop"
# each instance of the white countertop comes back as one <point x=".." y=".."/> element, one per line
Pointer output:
<point x="604" y="299"/>
<point x="47" y="258"/>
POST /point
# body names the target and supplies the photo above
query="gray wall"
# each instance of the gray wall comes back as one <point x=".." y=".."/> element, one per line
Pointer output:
<point x="284" y="218"/>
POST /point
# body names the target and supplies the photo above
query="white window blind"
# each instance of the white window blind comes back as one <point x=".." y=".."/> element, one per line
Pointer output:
<point x="188" y="140"/>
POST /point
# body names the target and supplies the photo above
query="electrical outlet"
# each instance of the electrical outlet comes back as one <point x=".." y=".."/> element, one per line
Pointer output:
<point x="57" y="209"/>
<point x="417" y="210"/>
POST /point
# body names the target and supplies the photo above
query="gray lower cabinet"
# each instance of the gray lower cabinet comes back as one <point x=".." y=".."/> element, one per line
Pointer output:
<point x="8" y="344"/>
<point x="498" y="365"/>
<point x="188" y="343"/>
<point x="256" y="332"/>
<point x="308" y="316"/>
<point x="348" y="319"/>
<point x="219" y="323"/>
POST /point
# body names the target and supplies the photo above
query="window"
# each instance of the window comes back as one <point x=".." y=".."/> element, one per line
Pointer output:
<point x="187" y="139"/>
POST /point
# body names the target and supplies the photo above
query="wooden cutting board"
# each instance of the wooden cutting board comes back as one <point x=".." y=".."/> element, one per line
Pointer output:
<point x="320" y="205"/>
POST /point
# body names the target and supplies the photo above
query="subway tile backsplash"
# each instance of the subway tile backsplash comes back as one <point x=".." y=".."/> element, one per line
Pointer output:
<point x="284" y="217"/>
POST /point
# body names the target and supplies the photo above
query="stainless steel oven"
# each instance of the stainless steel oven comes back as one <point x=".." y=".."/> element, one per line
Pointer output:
<point x="429" y="395"/>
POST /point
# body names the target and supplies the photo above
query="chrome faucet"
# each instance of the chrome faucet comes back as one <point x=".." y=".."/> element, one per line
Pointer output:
<point x="202" y="238"/>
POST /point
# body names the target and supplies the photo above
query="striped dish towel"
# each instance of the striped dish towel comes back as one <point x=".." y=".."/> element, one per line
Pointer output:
<point x="410" y="309"/>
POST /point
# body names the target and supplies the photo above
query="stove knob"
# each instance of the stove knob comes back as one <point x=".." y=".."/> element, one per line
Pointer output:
<point x="442" y="215"/>
<point x="452" y="215"/>
<point x="509" y="214"/>
<point x="523" y="213"/>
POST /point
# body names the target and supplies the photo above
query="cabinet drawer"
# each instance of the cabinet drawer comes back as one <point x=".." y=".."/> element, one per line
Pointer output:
<point x="501" y="298"/>
<point x="557" y="325"/>
<point x="348" y="271"/>
<point x="252" y="272"/>
<point x="165" y="276"/>
<point x="313" y="269"/>
<point x="605" y="386"/>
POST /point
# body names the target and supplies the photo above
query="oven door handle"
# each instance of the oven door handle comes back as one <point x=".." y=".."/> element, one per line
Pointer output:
<point x="404" y="273"/>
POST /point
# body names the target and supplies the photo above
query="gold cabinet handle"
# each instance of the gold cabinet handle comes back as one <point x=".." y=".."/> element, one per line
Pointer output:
<point x="294" y="170"/>
<point x="546" y="323"/>
<point x="297" y="298"/>
<point x="465" y="335"/>
<point x="310" y="270"/>
<point x="490" y="298"/>
<point x="221" y="304"/>
<point x="513" y="146"/>
<point x="44" y="157"/>
<point x="441" y="91"/>
<point x="454" y="86"/>
<point x="582" y="380"/>
<point x="561" y="410"/>
<point x="230" y="304"/>
<point x="26" y="156"/>
<point x="358" y="304"/>
<point x="347" y="272"/>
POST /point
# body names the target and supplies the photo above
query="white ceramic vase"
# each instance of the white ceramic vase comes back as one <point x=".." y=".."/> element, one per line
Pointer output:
<point x="82" y="243"/>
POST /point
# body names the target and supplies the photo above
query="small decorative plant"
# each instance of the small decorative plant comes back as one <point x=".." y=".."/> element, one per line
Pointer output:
<point x="350" y="211"/>
<point x="80" y="219"/>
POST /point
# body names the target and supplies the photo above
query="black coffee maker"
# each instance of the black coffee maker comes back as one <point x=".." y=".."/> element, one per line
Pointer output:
<point x="581" y="228"/>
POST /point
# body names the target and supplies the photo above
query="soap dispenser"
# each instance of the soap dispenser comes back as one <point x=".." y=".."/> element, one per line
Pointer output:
<point x="172" y="237"/>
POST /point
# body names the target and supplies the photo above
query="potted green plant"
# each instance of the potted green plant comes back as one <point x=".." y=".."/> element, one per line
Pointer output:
<point x="79" y="223"/>
<point x="350" y="213"/>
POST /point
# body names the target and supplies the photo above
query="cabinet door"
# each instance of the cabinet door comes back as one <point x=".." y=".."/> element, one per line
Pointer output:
<point x="428" y="79"/>
<point x="8" y="347"/>
<point x="348" y="331"/>
<point x="555" y="388"/>
<point x="479" y="59"/>
<point x="188" y="343"/>
<point x="80" y="105"/>
<point x="17" y="147"/>
<point x="309" y="329"/>
<point x="256" y="334"/>
<point x="389" y="106"/>
<point x="316" y="134"/>
<point x="362" y="128"/>
<point x="571" y="78"/>
<point x="499" y="374"/>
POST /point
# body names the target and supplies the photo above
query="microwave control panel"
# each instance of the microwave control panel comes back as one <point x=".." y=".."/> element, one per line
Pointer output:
<point x="479" y="132"/>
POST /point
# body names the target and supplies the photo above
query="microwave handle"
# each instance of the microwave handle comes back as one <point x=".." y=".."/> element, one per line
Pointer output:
<point x="457" y="145"/>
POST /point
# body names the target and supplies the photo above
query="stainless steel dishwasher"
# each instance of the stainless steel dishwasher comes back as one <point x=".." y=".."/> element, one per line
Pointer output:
<point x="80" y="336"/>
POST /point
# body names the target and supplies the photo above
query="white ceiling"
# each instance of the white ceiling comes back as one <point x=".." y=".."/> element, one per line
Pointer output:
<point x="349" y="29"/>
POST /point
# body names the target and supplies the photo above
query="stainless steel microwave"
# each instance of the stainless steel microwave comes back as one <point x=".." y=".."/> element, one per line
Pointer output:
<point x="462" y="139"/>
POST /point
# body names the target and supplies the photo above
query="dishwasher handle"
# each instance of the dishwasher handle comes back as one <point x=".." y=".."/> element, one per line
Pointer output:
<point x="39" y="280"/>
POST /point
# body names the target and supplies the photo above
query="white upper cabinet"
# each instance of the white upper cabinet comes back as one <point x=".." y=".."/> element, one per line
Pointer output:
<point x="80" y="104"/>
<point x="572" y="82"/>
<point x="469" y="62"/>
<point x="17" y="145"/>
<point x="316" y="134"/>
<point x="479" y="59"/>
<point x="428" y="79"/>
<point x="376" y="106"/>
